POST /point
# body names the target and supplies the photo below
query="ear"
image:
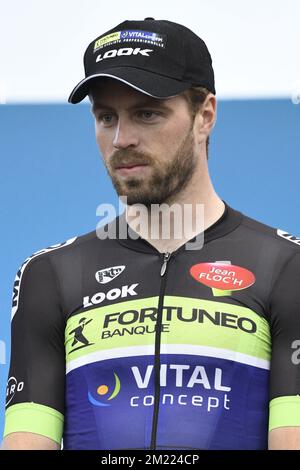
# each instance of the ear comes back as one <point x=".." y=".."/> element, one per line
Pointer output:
<point x="206" y="117"/>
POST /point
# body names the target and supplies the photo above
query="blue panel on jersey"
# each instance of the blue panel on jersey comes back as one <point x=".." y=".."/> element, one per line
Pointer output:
<point x="206" y="403"/>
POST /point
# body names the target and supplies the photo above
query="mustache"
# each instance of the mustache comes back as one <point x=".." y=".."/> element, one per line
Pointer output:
<point x="124" y="157"/>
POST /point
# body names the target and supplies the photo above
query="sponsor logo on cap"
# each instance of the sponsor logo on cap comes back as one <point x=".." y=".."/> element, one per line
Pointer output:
<point x="107" y="40"/>
<point x="130" y="35"/>
<point x="123" y="51"/>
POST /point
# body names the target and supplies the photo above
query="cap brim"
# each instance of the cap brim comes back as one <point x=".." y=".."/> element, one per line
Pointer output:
<point x="152" y="84"/>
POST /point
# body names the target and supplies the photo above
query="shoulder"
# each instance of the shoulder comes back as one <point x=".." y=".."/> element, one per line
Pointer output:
<point x="278" y="238"/>
<point x="61" y="248"/>
<point x="36" y="266"/>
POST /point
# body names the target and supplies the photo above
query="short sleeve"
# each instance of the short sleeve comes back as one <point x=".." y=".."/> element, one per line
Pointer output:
<point x="36" y="383"/>
<point x="285" y="336"/>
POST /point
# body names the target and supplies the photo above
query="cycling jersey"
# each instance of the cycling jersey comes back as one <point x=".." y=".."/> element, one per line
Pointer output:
<point x="118" y="346"/>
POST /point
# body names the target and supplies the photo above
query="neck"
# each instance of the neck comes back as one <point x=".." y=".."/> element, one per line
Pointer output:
<point x="180" y="218"/>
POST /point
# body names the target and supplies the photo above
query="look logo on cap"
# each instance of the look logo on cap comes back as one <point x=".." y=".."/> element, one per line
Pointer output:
<point x="156" y="57"/>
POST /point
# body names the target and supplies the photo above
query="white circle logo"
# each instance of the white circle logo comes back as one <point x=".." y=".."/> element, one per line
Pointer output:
<point x="12" y="387"/>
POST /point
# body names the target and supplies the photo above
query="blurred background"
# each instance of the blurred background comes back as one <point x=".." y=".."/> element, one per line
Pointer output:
<point x="51" y="175"/>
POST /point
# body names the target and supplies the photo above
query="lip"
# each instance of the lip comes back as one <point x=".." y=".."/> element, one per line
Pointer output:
<point x="130" y="165"/>
<point x="131" y="169"/>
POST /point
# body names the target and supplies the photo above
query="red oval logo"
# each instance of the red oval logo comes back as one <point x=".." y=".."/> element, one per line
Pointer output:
<point x="222" y="276"/>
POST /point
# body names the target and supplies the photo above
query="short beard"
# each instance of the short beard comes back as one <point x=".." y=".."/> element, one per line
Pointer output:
<point x="165" y="181"/>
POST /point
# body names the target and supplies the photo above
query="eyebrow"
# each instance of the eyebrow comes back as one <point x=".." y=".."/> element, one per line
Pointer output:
<point x="148" y="102"/>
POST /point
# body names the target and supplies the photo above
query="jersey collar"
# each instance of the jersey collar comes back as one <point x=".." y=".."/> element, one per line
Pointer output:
<point x="228" y="222"/>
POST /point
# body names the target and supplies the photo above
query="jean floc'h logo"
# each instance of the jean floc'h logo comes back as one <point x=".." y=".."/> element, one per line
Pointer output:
<point x="222" y="277"/>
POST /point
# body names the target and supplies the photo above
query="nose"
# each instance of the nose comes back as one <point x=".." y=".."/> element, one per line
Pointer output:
<point x="126" y="134"/>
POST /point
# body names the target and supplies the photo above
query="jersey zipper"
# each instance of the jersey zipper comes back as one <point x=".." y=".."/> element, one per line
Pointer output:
<point x="166" y="257"/>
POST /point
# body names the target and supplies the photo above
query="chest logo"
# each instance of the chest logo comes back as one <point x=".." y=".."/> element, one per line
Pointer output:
<point x="108" y="274"/>
<point x="222" y="276"/>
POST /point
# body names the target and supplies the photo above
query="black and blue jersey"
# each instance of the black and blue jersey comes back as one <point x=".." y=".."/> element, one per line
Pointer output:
<point x="118" y="346"/>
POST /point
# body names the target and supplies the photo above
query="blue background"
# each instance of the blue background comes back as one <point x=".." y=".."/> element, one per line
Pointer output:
<point x="52" y="179"/>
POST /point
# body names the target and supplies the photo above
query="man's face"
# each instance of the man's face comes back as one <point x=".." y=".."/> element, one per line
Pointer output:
<point x="147" y="144"/>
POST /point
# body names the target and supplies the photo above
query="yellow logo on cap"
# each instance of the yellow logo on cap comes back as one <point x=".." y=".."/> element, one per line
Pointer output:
<point x="107" y="39"/>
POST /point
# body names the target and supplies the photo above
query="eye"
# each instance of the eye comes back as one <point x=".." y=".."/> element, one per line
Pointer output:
<point x="148" y="115"/>
<point x="105" y="118"/>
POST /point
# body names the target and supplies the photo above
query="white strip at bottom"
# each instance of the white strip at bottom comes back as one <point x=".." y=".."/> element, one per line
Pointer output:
<point x="183" y="349"/>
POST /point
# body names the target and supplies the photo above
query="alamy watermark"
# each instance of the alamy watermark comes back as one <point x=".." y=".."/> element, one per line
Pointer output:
<point x="2" y="352"/>
<point x="295" y="95"/>
<point x="296" y="354"/>
<point x="3" y="92"/>
<point x="158" y="222"/>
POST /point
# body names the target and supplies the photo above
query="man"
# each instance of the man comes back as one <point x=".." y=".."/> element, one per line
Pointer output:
<point x="184" y="347"/>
